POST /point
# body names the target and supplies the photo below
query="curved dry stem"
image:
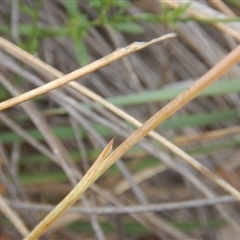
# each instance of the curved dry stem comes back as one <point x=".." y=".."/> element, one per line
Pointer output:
<point x="28" y="58"/>
<point x="207" y="79"/>
<point x="18" y="53"/>
<point x="117" y="54"/>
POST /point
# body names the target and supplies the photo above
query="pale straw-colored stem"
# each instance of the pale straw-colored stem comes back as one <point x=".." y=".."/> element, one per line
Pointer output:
<point x="207" y="79"/>
<point x="114" y="56"/>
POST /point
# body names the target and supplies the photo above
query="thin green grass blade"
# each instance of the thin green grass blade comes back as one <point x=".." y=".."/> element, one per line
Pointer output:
<point x="218" y="88"/>
<point x="67" y="133"/>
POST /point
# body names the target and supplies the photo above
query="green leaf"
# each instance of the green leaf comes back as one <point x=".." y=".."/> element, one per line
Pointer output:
<point x="152" y="18"/>
<point x="4" y="95"/>
<point x="127" y="27"/>
<point x="66" y="132"/>
<point x="97" y="4"/>
<point x="72" y="7"/>
<point x="26" y="9"/>
<point x="78" y="27"/>
<point x="131" y="227"/>
<point x="82" y="53"/>
<point x="199" y="119"/>
<point x="100" y="4"/>
<point x="223" y="87"/>
<point x="171" y="16"/>
<point x="121" y="4"/>
<point x="182" y="8"/>
<point x="165" y="9"/>
<point x="25" y="30"/>
<point x="42" y="178"/>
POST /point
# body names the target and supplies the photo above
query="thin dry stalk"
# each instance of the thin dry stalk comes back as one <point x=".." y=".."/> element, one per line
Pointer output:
<point x="220" y="133"/>
<point x="127" y="209"/>
<point x="139" y="177"/>
<point x="207" y="79"/>
<point x="23" y="55"/>
<point x="119" y="53"/>
<point x="13" y="217"/>
<point x="56" y="145"/>
<point x="74" y="196"/>
<point x="29" y="59"/>
<point x="172" y="107"/>
<point x="220" y="5"/>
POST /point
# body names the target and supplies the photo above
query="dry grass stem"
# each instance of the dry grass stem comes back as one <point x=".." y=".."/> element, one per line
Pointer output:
<point x="13" y="217"/>
<point x="128" y="209"/>
<point x="106" y="151"/>
<point x="117" y="54"/>
<point x="172" y="107"/>
<point x="46" y="142"/>
<point x="72" y="197"/>
<point x="29" y="59"/>
<point x="139" y="177"/>
<point x="220" y="5"/>
<point x="114" y="109"/>
<point x="220" y="133"/>
<point x="212" y="75"/>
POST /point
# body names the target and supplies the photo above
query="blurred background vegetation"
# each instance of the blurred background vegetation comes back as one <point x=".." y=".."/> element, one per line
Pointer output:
<point x="70" y="34"/>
